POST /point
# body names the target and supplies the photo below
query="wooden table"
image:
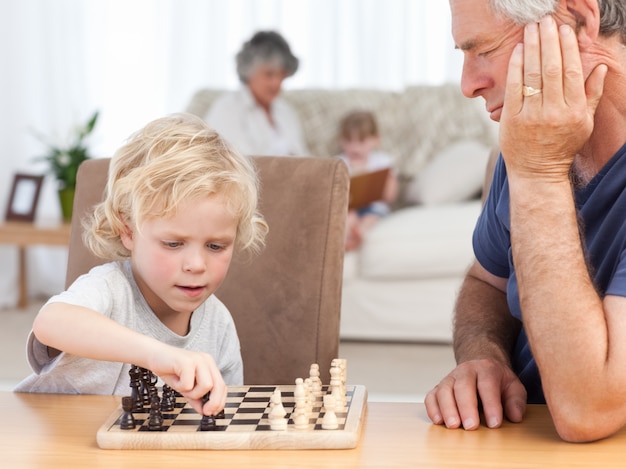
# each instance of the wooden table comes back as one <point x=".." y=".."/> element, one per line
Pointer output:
<point x="25" y="234"/>
<point x="49" y="431"/>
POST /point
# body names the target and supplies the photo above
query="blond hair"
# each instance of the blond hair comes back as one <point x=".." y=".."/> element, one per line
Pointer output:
<point x="173" y="160"/>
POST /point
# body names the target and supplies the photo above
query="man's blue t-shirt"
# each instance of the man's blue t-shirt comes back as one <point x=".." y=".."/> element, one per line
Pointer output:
<point x="601" y="209"/>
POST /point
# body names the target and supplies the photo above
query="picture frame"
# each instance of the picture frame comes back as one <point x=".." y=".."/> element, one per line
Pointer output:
<point x="24" y="197"/>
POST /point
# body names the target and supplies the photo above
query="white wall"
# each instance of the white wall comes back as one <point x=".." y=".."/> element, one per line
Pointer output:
<point x="135" y="60"/>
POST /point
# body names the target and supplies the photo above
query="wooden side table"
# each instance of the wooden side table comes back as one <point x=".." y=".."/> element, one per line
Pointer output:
<point x="25" y="234"/>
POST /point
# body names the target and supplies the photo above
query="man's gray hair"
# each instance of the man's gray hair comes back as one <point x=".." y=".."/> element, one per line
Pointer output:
<point x="612" y="13"/>
<point x="265" y="47"/>
<point x="524" y="11"/>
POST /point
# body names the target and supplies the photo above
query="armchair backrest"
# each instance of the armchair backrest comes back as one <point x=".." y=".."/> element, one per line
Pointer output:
<point x="286" y="301"/>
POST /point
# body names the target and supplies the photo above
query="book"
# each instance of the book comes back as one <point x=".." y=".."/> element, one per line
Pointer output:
<point x="366" y="188"/>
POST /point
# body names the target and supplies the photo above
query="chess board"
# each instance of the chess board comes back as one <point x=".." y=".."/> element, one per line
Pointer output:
<point x="245" y="425"/>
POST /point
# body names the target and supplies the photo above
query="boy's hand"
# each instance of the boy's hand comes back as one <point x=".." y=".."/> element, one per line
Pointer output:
<point x="193" y="374"/>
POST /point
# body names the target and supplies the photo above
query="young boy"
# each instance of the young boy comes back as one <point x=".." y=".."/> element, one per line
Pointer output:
<point x="179" y="200"/>
<point x="359" y="140"/>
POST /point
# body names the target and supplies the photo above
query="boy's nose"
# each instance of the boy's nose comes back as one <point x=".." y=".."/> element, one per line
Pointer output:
<point x="194" y="263"/>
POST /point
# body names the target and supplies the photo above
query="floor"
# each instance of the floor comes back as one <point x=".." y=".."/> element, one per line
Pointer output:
<point x="389" y="371"/>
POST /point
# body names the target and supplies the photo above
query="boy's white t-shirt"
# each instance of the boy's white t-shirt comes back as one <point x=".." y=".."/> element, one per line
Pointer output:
<point x="111" y="290"/>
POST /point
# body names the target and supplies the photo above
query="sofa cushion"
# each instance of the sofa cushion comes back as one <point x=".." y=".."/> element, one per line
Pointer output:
<point x="420" y="242"/>
<point x="454" y="174"/>
<point x="411" y="310"/>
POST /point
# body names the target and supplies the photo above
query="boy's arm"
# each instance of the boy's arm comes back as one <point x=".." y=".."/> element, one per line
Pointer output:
<point x="86" y="333"/>
<point x="391" y="187"/>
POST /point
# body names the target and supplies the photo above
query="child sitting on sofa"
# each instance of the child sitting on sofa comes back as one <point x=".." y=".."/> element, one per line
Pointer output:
<point x="359" y="140"/>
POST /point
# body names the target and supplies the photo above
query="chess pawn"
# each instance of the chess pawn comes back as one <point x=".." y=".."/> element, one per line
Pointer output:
<point x="277" y="413"/>
<point x="329" y="421"/>
<point x="316" y="382"/>
<point x="299" y="393"/>
<point x="208" y="422"/>
<point x="167" y="399"/>
<point x="155" y="420"/>
<point x="300" y="418"/>
<point x="127" y="421"/>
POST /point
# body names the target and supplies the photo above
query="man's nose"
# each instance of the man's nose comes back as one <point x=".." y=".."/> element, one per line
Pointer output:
<point x="472" y="79"/>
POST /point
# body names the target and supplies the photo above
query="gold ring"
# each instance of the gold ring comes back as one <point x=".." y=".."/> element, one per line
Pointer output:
<point x="529" y="91"/>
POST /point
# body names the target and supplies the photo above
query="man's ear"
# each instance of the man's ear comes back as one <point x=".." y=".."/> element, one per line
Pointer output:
<point x="127" y="237"/>
<point x="586" y="14"/>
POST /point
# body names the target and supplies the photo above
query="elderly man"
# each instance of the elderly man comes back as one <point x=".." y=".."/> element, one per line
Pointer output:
<point x="541" y="316"/>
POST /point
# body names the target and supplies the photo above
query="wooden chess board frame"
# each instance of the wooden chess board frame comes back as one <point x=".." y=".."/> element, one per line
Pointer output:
<point x="181" y="426"/>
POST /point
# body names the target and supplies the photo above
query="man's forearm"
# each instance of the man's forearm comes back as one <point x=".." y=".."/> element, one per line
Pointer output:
<point x="483" y="325"/>
<point x="564" y="316"/>
<point x="561" y="309"/>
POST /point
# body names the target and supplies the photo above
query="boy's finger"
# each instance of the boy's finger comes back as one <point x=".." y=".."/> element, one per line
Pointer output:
<point x="217" y="399"/>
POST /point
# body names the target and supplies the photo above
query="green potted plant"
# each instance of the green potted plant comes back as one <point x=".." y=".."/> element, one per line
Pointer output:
<point x="64" y="161"/>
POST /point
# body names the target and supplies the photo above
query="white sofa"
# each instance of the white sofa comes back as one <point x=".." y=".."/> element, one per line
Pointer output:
<point x="401" y="284"/>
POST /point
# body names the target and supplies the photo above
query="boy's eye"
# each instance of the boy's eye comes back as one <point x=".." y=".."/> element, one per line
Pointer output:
<point x="214" y="247"/>
<point x="172" y="244"/>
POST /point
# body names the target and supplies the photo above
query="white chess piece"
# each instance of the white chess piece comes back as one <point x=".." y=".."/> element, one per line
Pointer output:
<point x="335" y="384"/>
<point x="343" y="365"/>
<point x="310" y="396"/>
<point x="300" y="418"/>
<point x="316" y="382"/>
<point x="329" y="421"/>
<point x="299" y="393"/>
<point x="277" y="413"/>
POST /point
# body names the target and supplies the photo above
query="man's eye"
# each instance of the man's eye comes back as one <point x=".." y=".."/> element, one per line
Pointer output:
<point x="487" y="53"/>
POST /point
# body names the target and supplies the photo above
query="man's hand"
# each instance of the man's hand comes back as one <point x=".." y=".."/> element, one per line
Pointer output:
<point x="454" y="402"/>
<point x="541" y="133"/>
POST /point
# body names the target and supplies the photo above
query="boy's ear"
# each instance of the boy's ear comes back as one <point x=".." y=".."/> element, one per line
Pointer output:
<point x="586" y="14"/>
<point x="127" y="237"/>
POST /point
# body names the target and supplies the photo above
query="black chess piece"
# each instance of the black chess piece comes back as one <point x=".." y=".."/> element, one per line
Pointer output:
<point x="155" y="421"/>
<point x="135" y="384"/>
<point x="208" y="421"/>
<point x="167" y="399"/>
<point x="145" y="386"/>
<point x="127" y="421"/>
<point x="152" y="385"/>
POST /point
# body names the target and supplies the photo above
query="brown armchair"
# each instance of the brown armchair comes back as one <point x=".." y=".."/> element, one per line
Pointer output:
<point x="285" y="301"/>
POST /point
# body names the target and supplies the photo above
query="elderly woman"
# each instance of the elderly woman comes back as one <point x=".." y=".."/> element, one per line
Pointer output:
<point x="254" y="118"/>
